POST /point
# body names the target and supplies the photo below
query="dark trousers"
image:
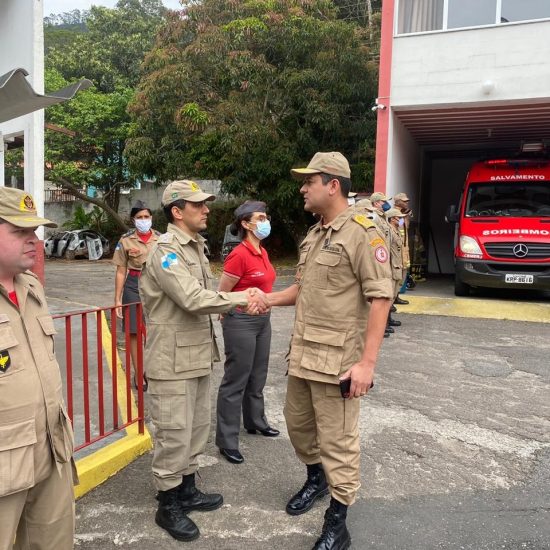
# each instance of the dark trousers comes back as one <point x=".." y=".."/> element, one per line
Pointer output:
<point x="247" y="340"/>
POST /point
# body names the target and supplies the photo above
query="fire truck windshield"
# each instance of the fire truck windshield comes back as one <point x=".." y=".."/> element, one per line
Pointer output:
<point x="519" y="200"/>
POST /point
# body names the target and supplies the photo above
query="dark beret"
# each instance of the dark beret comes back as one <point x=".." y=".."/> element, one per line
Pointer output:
<point x="249" y="207"/>
<point x="140" y="205"/>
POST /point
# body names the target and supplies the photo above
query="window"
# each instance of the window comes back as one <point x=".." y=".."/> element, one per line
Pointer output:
<point x="428" y="15"/>
<point x="420" y="16"/>
<point x="471" y="13"/>
<point x="524" y="10"/>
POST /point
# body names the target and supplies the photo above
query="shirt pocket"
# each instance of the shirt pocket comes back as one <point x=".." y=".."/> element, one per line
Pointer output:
<point x="325" y="262"/>
<point x="63" y="437"/>
<point x="8" y="341"/>
<point x="48" y="328"/>
<point x="17" y="442"/>
<point x="193" y="350"/>
<point x="323" y="349"/>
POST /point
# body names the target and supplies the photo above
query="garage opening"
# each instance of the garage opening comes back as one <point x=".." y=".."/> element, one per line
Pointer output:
<point x="433" y="149"/>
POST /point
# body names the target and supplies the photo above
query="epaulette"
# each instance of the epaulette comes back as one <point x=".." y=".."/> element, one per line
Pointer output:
<point x="166" y="238"/>
<point x="128" y="233"/>
<point x="363" y="221"/>
<point x="157" y="233"/>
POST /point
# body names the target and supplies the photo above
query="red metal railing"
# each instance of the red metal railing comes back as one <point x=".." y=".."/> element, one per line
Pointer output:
<point x="102" y="413"/>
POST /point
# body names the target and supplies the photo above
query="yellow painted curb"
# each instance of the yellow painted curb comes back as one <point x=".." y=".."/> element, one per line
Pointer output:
<point x="478" y="308"/>
<point x="96" y="468"/>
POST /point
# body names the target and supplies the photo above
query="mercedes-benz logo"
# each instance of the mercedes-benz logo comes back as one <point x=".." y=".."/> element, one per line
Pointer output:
<point x="520" y="250"/>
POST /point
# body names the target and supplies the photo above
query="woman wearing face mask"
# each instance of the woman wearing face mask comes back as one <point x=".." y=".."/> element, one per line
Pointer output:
<point x="130" y="254"/>
<point x="247" y="338"/>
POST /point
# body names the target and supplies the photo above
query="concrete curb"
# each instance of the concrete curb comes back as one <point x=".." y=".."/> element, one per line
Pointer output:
<point x="477" y="309"/>
<point x="96" y="468"/>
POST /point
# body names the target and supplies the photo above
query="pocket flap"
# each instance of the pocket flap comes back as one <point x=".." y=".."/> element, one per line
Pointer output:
<point x="324" y="336"/>
<point x="19" y="434"/>
<point x="47" y="324"/>
<point x="193" y="337"/>
<point x="167" y="387"/>
<point x="7" y="337"/>
<point x="328" y="258"/>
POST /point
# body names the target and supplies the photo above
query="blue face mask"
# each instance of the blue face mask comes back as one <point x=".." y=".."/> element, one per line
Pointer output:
<point x="143" y="225"/>
<point x="386" y="206"/>
<point x="263" y="229"/>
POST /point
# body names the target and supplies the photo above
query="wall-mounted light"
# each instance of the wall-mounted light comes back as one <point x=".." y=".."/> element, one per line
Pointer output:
<point x="487" y="87"/>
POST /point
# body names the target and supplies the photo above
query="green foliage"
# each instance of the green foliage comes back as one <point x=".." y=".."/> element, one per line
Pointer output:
<point x="13" y="163"/>
<point x="88" y="151"/>
<point x="242" y="90"/>
<point x="80" y="219"/>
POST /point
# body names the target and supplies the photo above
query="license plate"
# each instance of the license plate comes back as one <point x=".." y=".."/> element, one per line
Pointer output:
<point x="518" y="279"/>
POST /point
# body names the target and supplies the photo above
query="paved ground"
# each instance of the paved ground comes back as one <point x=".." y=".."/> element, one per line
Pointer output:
<point x="455" y="446"/>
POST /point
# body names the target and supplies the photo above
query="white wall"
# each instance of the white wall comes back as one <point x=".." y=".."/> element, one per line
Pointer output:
<point x="22" y="45"/>
<point x="450" y="67"/>
<point x="403" y="163"/>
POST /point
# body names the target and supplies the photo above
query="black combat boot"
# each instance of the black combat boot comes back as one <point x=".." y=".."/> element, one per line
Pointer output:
<point x="315" y="487"/>
<point x="171" y="516"/>
<point x="392" y="322"/>
<point x="335" y="535"/>
<point x="193" y="499"/>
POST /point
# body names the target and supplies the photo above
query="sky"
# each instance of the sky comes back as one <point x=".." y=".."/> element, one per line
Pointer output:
<point x="60" y="6"/>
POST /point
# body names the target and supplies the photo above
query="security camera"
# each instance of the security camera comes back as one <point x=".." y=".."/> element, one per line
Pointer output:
<point x="378" y="107"/>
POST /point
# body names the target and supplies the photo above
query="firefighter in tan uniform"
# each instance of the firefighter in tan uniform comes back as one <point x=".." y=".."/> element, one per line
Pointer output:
<point x="175" y="288"/>
<point x="36" y="440"/>
<point x="393" y="215"/>
<point x="380" y="205"/>
<point x="130" y="254"/>
<point x="342" y="293"/>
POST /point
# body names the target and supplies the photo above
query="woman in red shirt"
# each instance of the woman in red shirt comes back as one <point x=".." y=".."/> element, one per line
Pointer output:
<point x="247" y="338"/>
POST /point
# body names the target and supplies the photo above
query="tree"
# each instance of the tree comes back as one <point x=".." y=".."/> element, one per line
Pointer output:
<point x="243" y="90"/>
<point x="108" y="52"/>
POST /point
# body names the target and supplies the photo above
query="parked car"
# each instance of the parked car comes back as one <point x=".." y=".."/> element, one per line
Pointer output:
<point x="79" y="243"/>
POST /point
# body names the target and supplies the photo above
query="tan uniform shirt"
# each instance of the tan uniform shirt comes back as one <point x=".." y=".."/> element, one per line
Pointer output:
<point x="131" y="252"/>
<point x="175" y="288"/>
<point x="341" y="266"/>
<point x="383" y="226"/>
<point x="34" y="427"/>
<point x="404" y="230"/>
<point x="396" y="254"/>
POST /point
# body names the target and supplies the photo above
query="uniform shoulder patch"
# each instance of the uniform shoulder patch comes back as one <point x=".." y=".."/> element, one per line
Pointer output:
<point x="381" y="254"/>
<point x="362" y="220"/>
<point x="166" y="238"/>
<point x="377" y="241"/>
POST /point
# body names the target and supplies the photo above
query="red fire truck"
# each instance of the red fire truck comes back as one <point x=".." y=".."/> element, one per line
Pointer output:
<point x="502" y="237"/>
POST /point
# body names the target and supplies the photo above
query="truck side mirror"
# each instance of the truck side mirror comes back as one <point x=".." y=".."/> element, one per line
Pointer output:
<point x="452" y="214"/>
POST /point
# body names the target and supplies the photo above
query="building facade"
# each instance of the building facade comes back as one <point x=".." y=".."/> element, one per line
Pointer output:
<point x="460" y="81"/>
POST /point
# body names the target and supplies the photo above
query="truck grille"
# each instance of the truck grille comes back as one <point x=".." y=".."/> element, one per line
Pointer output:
<point x="524" y="251"/>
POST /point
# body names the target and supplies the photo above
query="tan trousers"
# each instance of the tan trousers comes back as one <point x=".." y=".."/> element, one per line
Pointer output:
<point x="40" y="518"/>
<point x="324" y="427"/>
<point x="180" y="411"/>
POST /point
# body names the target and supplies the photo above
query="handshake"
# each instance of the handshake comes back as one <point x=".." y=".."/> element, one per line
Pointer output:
<point x="257" y="302"/>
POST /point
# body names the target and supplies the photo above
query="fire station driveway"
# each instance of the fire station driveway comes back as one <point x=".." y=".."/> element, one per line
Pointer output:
<point x="455" y="448"/>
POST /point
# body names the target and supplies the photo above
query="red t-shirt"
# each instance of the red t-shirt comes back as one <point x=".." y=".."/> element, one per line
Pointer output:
<point x="253" y="268"/>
